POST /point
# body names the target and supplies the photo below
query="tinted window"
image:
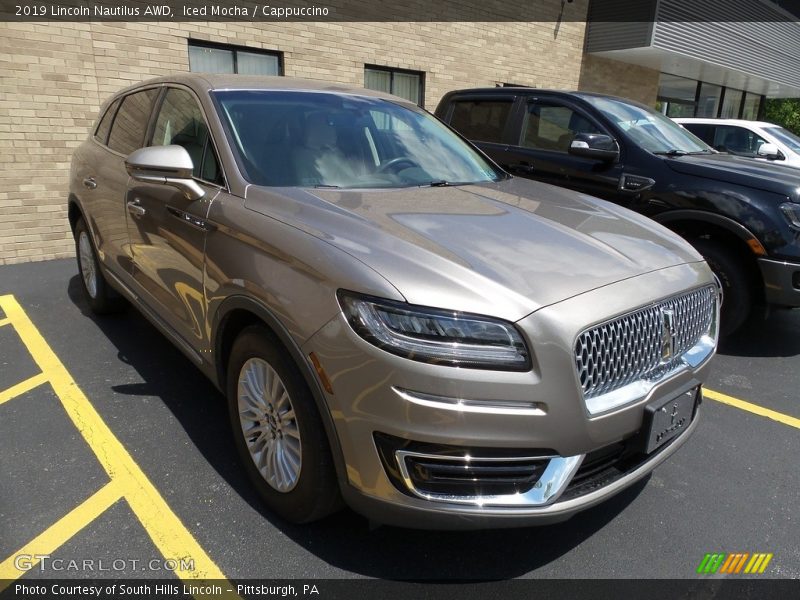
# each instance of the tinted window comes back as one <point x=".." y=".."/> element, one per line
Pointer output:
<point x="101" y="134"/>
<point x="481" y="120"/>
<point x="737" y="140"/>
<point x="180" y="121"/>
<point x="130" y="125"/>
<point x="311" y="139"/>
<point x="704" y="132"/>
<point x="553" y="127"/>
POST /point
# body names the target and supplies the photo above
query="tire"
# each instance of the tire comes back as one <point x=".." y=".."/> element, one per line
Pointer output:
<point x="277" y="430"/>
<point x="737" y="284"/>
<point x="100" y="297"/>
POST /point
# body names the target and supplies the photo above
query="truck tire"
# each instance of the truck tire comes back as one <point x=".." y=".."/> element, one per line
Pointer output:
<point x="737" y="285"/>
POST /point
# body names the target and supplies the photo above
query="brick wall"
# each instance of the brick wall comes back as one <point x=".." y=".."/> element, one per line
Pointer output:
<point x="617" y="78"/>
<point x="55" y="75"/>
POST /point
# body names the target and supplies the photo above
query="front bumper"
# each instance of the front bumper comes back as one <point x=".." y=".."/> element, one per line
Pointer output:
<point x="537" y="413"/>
<point x="781" y="282"/>
<point x="428" y="515"/>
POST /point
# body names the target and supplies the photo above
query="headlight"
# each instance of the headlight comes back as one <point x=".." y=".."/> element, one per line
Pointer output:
<point x="436" y="336"/>
<point x="791" y="211"/>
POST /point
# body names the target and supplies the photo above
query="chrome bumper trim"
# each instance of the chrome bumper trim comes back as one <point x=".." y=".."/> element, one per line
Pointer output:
<point x="495" y="407"/>
<point x="551" y="484"/>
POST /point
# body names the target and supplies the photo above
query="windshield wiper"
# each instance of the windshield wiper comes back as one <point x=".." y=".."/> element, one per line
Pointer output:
<point x="671" y="152"/>
<point x="326" y="187"/>
<point x="437" y="183"/>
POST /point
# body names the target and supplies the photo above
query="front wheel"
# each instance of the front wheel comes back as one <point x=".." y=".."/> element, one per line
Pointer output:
<point x="277" y="430"/>
<point x="737" y="285"/>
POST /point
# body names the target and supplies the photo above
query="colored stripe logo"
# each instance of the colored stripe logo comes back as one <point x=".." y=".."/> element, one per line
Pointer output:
<point x="734" y="563"/>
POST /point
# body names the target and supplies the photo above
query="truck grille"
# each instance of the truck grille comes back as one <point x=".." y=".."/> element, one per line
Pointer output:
<point x="632" y="347"/>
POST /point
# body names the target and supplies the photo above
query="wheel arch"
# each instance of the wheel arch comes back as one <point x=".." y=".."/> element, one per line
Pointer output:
<point x="233" y="316"/>
<point x="697" y="224"/>
<point x="74" y="211"/>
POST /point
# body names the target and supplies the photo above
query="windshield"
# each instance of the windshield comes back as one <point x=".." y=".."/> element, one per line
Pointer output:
<point x="785" y="136"/>
<point x="649" y="129"/>
<point x="318" y="139"/>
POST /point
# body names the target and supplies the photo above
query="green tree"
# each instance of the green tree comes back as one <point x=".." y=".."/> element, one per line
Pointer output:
<point x="784" y="111"/>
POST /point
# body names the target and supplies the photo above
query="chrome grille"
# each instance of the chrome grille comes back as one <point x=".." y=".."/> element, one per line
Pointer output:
<point x="629" y="348"/>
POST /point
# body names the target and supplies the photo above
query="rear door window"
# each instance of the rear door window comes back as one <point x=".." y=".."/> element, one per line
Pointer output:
<point x="101" y="133"/>
<point x="703" y="131"/>
<point x="481" y="120"/>
<point x="737" y="140"/>
<point x="130" y="124"/>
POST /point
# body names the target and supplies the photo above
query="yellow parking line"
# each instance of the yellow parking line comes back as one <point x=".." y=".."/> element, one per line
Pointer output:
<point x="4" y="322"/>
<point x="58" y="534"/>
<point x="752" y="408"/>
<point x="169" y="535"/>
<point x="22" y="387"/>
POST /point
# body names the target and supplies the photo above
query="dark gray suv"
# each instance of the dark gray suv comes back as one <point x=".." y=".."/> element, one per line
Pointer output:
<point x="395" y="321"/>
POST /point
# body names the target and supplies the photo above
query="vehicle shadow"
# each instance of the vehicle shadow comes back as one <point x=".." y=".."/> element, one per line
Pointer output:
<point x="777" y="335"/>
<point x="344" y="540"/>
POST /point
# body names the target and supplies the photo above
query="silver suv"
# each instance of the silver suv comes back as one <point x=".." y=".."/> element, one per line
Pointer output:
<point x="396" y="322"/>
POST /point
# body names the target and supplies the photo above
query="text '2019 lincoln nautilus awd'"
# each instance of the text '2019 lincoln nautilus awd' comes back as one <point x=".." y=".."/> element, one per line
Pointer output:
<point x="396" y="322"/>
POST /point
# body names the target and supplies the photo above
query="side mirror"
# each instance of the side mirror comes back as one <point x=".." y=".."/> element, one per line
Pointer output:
<point x="770" y="152"/>
<point x="167" y="165"/>
<point x="595" y="145"/>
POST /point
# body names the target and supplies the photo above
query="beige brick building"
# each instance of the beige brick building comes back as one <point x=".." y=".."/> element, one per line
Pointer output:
<point x="55" y="75"/>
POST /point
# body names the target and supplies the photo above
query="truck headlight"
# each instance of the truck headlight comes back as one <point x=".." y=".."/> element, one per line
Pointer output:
<point x="791" y="211"/>
<point x="436" y="336"/>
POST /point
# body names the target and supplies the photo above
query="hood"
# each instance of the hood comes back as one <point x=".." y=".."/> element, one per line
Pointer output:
<point x="504" y="249"/>
<point x="738" y="170"/>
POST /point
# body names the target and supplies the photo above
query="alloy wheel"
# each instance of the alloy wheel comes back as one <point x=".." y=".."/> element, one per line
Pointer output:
<point x="88" y="266"/>
<point x="269" y="425"/>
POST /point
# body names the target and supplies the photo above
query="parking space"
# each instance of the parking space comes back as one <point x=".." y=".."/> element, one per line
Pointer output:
<point x="114" y="448"/>
<point x="37" y="427"/>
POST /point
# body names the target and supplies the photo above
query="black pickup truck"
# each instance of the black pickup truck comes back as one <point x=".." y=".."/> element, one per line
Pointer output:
<point x="741" y="215"/>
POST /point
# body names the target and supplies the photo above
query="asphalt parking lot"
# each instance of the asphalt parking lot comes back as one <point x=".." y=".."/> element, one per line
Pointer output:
<point x="114" y="447"/>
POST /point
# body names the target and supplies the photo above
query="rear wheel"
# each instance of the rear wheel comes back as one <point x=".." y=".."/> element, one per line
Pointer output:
<point x="736" y="282"/>
<point x="277" y="430"/>
<point x="102" y="299"/>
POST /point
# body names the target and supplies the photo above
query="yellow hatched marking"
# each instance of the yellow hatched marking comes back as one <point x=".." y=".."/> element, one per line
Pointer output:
<point x="752" y="566"/>
<point x="752" y="408"/>
<point x="4" y="322"/>
<point x="166" y="530"/>
<point x="22" y="387"/>
<point x="58" y="534"/>
<point x="764" y="564"/>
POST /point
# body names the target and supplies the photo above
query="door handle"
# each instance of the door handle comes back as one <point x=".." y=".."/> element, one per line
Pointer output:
<point x="136" y="209"/>
<point x="523" y="168"/>
<point x="90" y="183"/>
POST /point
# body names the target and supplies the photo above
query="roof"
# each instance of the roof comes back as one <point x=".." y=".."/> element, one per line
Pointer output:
<point x="710" y="121"/>
<point x="214" y="81"/>
<point x="531" y="91"/>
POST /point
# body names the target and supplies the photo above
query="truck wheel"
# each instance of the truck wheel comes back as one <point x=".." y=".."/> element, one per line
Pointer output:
<point x="737" y="286"/>
<point x="277" y="430"/>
